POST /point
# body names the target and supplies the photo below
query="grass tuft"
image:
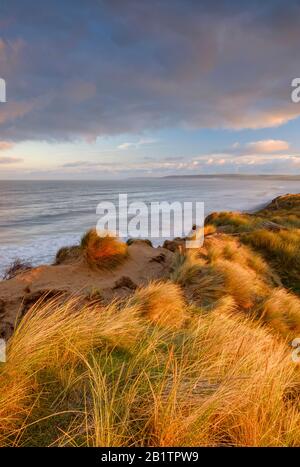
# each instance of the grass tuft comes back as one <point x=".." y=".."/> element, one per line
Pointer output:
<point x="162" y="303"/>
<point x="104" y="251"/>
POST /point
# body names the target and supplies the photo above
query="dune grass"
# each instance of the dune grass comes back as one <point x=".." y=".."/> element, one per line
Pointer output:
<point x="199" y="359"/>
<point x="50" y="338"/>
<point x="281" y="311"/>
<point x="284" y="245"/>
<point x="90" y="376"/>
<point x="162" y="303"/>
<point x="284" y="210"/>
<point x="279" y="244"/>
<point x="225" y="268"/>
<point x="103" y="251"/>
<point x="67" y="253"/>
<point x="282" y="250"/>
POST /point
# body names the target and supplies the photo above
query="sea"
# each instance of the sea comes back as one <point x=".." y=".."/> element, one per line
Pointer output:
<point x="39" y="217"/>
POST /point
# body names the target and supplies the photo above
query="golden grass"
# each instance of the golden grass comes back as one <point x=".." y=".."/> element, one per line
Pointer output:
<point x="229" y="248"/>
<point x="162" y="303"/>
<point x="15" y="400"/>
<point x="209" y="230"/>
<point x="281" y="311"/>
<point x="284" y="244"/>
<point x="226" y="269"/>
<point x="223" y="267"/>
<point x="226" y="389"/>
<point x="202" y="283"/>
<point x="50" y="336"/>
<point x="186" y="267"/>
<point x="282" y="250"/>
<point x="53" y="331"/>
<point x="285" y="210"/>
<point x="103" y="251"/>
<point x="233" y="221"/>
<point x="201" y="359"/>
<point x="241" y="283"/>
<point x="127" y="378"/>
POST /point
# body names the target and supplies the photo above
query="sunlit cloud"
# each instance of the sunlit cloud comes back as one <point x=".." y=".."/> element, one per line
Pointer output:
<point x="268" y="146"/>
<point x="137" y="144"/>
<point x="5" y="145"/>
<point x="10" y="160"/>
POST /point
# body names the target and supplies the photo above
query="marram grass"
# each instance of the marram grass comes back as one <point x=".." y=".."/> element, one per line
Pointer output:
<point x="114" y="376"/>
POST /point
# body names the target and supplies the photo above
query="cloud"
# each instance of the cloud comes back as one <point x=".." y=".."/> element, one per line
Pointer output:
<point x="208" y="163"/>
<point x="137" y="144"/>
<point x="126" y="145"/>
<point x="90" y="165"/>
<point x="204" y="164"/>
<point x="280" y="163"/>
<point x="5" y="145"/>
<point x="268" y="146"/>
<point x="10" y="160"/>
<point x="122" y="67"/>
<point x="80" y="164"/>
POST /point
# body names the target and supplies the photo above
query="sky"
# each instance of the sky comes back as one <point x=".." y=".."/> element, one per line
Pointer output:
<point x="124" y="88"/>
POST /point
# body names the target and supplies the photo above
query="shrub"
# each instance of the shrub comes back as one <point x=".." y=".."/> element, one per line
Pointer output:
<point x="17" y="267"/>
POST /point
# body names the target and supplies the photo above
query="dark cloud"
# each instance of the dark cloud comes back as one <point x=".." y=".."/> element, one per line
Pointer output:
<point x="79" y="69"/>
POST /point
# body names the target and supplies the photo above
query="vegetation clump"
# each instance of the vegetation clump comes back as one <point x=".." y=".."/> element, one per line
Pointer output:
<point x="67" y="254"/>
<point x="273" y="232"/>
<point x="112" y="375"/>
<point x="17" y="267"/>
<point x="103" y="251"/>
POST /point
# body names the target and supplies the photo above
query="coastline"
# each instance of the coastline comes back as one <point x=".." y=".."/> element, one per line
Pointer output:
<point x="132" y="329"/>
<point x="69" y="274"/>
<point x="40" y="217"/>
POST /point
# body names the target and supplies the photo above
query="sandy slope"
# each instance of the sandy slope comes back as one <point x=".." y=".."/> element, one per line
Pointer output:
<point x="144" y="264"/>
